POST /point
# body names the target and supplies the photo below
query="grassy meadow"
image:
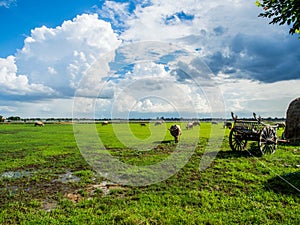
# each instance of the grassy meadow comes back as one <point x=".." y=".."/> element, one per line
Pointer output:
<point x="44" y="179"/>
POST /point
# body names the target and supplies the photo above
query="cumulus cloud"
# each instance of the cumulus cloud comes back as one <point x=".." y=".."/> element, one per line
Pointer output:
<point x="243" y="51"/>
<point x="60" y="56"/>
<point x="161" y="20"/>
<point x="229" y="36"/>
<point x="12" y="83"/>
<point x="244" y="55"/>
<point x="263" y="59"/>
<point x="245" y="96"/>
<point x="150" y="87"/>
<point x="148" y="81"/>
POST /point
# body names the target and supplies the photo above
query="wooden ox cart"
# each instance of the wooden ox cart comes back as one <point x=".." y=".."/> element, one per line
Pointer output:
<point x="253" y="130"/>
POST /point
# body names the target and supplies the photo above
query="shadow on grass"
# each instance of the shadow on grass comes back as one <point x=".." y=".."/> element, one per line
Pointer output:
<point x="286" y="184"/>
<point x="164" y="142"/>
<point x="233" y="154"/>
<point x="251" y="151"/>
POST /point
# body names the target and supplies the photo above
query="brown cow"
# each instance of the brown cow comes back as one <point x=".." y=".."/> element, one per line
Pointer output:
<point x="227" y="124"/>
<point x="196" y="123"/>
<point x="175" y="132"/>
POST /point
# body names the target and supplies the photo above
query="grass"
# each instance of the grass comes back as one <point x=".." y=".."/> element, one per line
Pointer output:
<point x="237" y="187"/>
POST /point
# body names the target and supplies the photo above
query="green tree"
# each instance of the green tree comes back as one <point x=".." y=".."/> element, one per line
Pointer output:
<point x="14" y="118"/>
<point x="282" y="12"/>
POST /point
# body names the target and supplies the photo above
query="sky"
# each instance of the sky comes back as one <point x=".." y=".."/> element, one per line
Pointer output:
<point x="144" y="59"/>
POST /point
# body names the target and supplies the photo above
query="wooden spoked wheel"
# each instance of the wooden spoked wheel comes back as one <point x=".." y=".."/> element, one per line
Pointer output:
<point x="267" y="140"/>
<point x="237" y="141"/>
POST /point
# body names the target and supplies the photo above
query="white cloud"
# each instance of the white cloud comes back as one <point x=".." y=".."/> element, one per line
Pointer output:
<point x="267" y="99"/>
<point x="225" y="33"/>
<point x="210" y="20"/>
<point x="214" y="32"/>
<point x="60" y="56"/>
<point x="114" y="11"/>
<point x="51" y="70"/>
<point x="7" y="109"/>
<point x="149" y="23"/>
<point x="13" y="84"/>
<point x="150" y="88"/>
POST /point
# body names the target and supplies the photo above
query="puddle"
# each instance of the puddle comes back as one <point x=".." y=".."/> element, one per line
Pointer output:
<point x="67" y="178"/>
<point x="12" y="190"/>
<point x="15" y="174"/>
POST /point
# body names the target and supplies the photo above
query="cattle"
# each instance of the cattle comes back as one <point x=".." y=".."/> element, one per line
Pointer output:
<point x="214" y="122"/>
<point x="196" y="123"/>
<point x="189" y="126"/>
<point x="157" y="123"/>
<point x="175" y="131"/>
<point x="227" y="124"/>
<point x="143" y="124"/>
<point x="39" y="123"/>
<point x="104" y="123"/>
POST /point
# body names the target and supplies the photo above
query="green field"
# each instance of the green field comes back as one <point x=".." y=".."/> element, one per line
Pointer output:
<point x="44" y="179"/>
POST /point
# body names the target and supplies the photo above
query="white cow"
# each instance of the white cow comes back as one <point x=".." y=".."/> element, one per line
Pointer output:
<point x="39" y="123"/>
<point x="157" y="123"/>
<point x="189" y="125"/>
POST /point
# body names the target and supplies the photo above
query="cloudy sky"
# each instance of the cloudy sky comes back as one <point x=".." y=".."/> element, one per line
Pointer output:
<point x="144" y="58"/>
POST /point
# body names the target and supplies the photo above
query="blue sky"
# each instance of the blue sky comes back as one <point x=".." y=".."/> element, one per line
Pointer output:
<point x="144" y="58"/>
<point x="19" y="17"/>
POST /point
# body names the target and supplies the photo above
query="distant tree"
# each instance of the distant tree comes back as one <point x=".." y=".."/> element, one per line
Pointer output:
<point x="282" y="12"/>
<point x="14" y="118"/>
<point x="1" y="118"/>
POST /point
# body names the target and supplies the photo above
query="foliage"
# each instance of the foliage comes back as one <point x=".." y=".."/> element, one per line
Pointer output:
<point x="14" y="118"/>
<point x="282" y="12"/>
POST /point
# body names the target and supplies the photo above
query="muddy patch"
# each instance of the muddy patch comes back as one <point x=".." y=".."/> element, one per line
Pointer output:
<point x="68" y="177"/>
<point x="48" y="191"/>
<point x="104" y="187"/>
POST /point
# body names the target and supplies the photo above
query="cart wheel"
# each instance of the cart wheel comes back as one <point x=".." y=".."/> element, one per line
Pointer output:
<point x="236" y="141"/>
<point x="267" y="140"/>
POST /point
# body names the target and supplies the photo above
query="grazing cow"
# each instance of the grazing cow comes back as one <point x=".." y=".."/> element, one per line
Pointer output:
<point x="227" y="124"/>
<point x="39" y="123"/>
<point x="196" y="123"/>
<point x="157" y="123"/>
<point x="104" y="123"/>
<point x="214" y="122"/>
<point x="175" y="131"/>
<point x="189" y="126"/>
<point x="143" y="124"/>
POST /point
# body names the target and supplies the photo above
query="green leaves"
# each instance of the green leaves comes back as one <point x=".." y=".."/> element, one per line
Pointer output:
<point x="282" y="12"/>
